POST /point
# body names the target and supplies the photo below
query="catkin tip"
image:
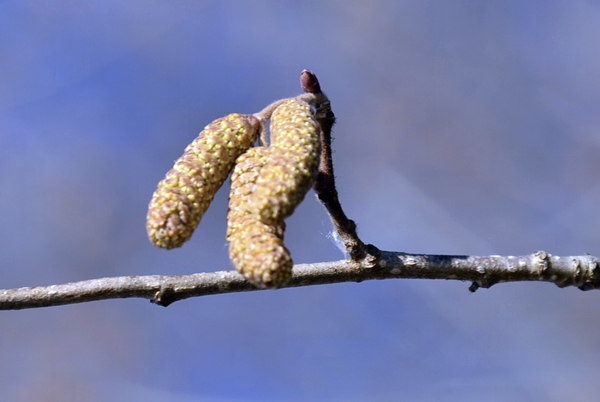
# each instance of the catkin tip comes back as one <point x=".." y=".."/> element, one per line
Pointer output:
<point x="260" y="256"/>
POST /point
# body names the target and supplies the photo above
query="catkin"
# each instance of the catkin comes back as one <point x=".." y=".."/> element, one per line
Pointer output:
<point x="186" y="192"/>
<point x="293" y="162"/>
<point x="266" y="186"/>
<point x="256" y="249"/>
<point x="243" y="183"/>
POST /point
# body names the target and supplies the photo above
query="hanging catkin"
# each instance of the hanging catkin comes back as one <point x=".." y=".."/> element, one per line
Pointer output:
<point x="256" y="249"/>
<point x="188" y="188"/>
<point x="266" y="186"/>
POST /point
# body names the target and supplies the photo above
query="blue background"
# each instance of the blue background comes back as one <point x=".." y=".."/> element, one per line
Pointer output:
<point x="464" y="127"/>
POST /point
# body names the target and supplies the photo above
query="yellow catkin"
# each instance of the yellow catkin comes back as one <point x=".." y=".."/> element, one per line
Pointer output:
<point x="256" y="249"/>
<point x="189" y="187"/>
<point x="243" y="183"/>
<point x="293" y="162"/>
<point x="267" y="185"/>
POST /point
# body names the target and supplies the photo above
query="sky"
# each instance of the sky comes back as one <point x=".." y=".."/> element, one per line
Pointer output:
<point x="464" y="127"/>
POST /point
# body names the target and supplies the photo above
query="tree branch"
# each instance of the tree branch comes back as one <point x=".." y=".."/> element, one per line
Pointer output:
<point x="366" y="262"/>
<point x="579" y="271"/>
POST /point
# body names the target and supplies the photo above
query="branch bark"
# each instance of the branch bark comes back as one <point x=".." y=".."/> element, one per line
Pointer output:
<point x="484" y="272"/>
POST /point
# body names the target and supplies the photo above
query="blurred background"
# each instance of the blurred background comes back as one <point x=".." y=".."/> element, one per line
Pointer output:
<point x="464" y="127"/>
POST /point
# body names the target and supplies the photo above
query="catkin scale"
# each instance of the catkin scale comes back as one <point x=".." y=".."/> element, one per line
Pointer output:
<point x="184" y="195"/>
<point x="243" y="184"/>
<point x="256" y="249"/>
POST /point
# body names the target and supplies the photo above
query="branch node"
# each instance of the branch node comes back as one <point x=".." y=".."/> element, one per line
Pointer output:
<point x="165" y="296"/>
<point x="372" y="257"/>
<point x="593" y="274"/>
<point x="541" y="261"/>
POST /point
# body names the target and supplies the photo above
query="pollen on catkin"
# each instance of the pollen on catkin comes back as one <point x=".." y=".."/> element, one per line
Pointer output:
<point x="293" y="162"/>
<point x="187" y="190"/>
<point x="243" y="183"/>
<point x="256" y="249"/>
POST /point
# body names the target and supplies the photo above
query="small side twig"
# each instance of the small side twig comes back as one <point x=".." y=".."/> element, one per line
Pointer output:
<point x="324" y="186"/>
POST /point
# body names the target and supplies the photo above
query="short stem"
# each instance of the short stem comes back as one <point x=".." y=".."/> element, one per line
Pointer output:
<point x="324" y="185"/>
